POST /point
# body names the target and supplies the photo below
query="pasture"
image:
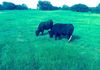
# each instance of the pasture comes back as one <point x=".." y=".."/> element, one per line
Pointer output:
<point x="20" y="49"/>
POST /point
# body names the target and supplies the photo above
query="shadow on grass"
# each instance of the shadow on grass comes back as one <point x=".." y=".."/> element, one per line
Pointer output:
<point x="75" y="37"/>
<point x="46" y="33"/>
<point x="9" y="19"/>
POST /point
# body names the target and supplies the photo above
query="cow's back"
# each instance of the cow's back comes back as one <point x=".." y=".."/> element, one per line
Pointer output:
<point x="63" y="28"/>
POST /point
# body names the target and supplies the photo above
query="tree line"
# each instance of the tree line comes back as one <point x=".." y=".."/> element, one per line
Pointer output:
<point x="12" y="6"/>
<point x="46" y="5"/>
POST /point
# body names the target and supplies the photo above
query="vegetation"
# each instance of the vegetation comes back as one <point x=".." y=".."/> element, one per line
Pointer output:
<point x="20" y="49"/>
<point x="65" y="7"/>
<point x="95" y="9"/>
<point x="1" y="7"/>
<point x="21" y="7"/>
<point x="8" y="6"/>
<point x="12" y="6"/>
<point x="46" y="5"/>
<point x="80" y="8"/>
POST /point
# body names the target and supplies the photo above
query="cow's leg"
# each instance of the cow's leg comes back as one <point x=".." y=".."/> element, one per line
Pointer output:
<point x="59" y="36"/>
<point x="51" y="36"/>
<point x="42" y="32"/>
<point x="56" y="36"/>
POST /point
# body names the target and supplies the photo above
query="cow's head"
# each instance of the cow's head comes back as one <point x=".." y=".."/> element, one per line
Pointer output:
<point x="50" y="34"/>
<point x="37" y="32"/>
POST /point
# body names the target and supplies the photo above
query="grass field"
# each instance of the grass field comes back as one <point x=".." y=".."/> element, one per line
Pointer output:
<point x="20" y="49"/>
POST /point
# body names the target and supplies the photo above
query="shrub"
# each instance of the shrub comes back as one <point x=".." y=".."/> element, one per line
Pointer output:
<point x="80" y="8"/>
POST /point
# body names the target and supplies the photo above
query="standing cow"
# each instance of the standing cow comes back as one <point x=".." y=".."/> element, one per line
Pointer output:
<point x="44" y="26"/>
<point x="62" y="29"/>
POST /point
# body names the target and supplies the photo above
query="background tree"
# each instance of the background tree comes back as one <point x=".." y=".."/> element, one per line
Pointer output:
<point x="12" y="6"/>
<point x="1" y="7"/>
<point x="65" y="7"/>
<point x="80" y="8"/>
<point x="44" y="5"/>
<point x="24" y="6"/>
<point x="96" y="9"/>
<point x="9" y="6"/>
<point x="21" y="7"/>
<point x="92" y="9"/>
<point x="56" y="8"/>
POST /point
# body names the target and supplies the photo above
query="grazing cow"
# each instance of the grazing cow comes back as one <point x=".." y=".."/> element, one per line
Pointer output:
<point x="61" y="29"/>
<point x="44" y="26"/>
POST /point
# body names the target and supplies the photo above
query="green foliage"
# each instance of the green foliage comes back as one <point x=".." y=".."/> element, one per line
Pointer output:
<point x="8" y="6"/>
<point x="1" y="7"/>
<point x="20" y="49"/>
<point x="12" y="6"/>
<point x="46" y="5"/>
<point x="80" y="8"/>
<point x="95" y="9"/>
<point x="65" y="7"/>
<point x="21" y="7"/>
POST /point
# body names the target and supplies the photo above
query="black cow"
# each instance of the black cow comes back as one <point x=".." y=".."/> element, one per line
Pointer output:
<point x="44" y="26"/>
<point x="62" y="29"/>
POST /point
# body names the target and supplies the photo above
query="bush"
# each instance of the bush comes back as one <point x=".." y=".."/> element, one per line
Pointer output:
<point x="9" y="6"/>
<point x="65" y="7"/>
<point x="1" y="7"/>
<point x="21" y="7"/>
<point x="80" y="8"/>
<point x="12" y="6"/>
<point x="95" y="9"/>
<point x="44" y="5"/>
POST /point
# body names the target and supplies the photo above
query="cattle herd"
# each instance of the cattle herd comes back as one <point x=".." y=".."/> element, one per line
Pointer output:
<point x="57" y="30"/>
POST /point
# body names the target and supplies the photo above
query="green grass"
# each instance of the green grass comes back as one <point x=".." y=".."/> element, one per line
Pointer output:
<point x="20" y="49"/>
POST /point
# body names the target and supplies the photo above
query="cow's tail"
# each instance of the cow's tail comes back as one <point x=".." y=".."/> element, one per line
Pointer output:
<point x="70" y="38"/>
